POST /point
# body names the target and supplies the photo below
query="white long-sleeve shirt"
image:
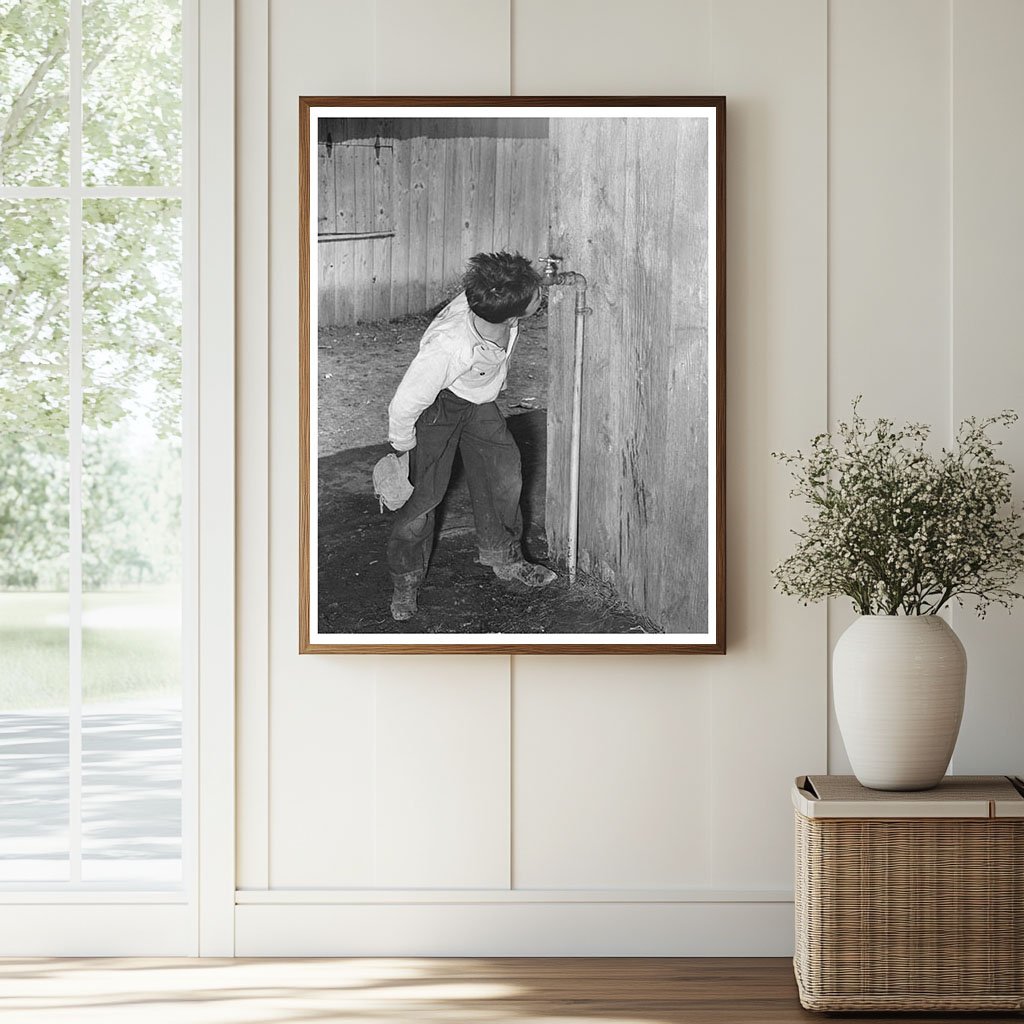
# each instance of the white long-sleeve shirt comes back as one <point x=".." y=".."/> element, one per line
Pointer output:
<point x="452" y="355"/>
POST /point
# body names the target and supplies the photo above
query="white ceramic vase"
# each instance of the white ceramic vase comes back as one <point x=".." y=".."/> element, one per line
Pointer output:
<point x="898" y="684"/>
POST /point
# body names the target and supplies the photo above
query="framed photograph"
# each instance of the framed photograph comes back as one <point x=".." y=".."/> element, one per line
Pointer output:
<point x="512" y="374"/>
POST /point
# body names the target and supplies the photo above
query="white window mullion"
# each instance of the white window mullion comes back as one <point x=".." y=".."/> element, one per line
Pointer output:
<point x="95" y="191"/>
<point x="34" y="192"/>
<point x="76" y="294"/>
<point x="135" y="192"/>
<point x="190" y="453"/>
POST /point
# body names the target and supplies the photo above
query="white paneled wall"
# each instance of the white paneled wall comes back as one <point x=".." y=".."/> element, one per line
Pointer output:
<point x="925" y="221"/>
<point x="888" y="332"/>
<point x="442" y="798"/>
<point x="612" y="775"/>
<point x="987" y="366"/>
<point x="441" y="48"/>
<point x="575" y="48"/>
<point x="626" y="804"/>
<point x="768" y="693"/>
<point x="252" y="464"/>
<point x="319" y="818"/>
<point x="889" y="208"/>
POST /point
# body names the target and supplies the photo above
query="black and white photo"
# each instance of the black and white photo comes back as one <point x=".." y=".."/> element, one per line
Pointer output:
<point x="512" y="374"/>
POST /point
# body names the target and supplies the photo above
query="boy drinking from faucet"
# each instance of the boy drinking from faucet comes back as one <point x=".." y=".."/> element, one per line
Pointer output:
<point x="446" y="403"/>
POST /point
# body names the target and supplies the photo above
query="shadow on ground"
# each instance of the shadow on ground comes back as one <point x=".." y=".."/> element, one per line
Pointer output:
<point x="131" y="791"/>
<point x="458" y="596"/>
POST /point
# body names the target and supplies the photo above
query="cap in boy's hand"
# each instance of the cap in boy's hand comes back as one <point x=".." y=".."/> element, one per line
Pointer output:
<point x="391" y="481"/>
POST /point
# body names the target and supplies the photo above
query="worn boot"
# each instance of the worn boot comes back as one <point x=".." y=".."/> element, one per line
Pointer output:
<point x="524" y="572"/>
<point x="403" y="600"/>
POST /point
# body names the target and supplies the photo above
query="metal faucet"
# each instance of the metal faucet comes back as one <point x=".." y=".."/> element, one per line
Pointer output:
<point x="552" y="276"/>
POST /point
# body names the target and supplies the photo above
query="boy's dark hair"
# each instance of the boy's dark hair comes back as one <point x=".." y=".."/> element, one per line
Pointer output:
<point x="499" y="285"/>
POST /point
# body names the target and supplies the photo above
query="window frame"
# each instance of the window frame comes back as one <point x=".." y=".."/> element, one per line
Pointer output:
<point x="69" y="918"/>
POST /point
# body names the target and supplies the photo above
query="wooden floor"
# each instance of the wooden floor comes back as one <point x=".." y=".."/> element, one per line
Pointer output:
<point x="412" y="991"/>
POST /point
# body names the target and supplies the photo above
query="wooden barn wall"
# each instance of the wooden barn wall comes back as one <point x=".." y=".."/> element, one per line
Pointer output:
<point x="629" y="198"/>
<point x="433" y="192"/>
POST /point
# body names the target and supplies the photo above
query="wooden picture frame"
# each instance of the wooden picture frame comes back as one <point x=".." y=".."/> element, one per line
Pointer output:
<point x="622" y="448"/>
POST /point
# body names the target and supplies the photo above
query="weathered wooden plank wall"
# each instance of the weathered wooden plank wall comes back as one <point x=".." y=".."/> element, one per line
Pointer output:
<point x="433" y="191"/>
<point x="629" y="212"/>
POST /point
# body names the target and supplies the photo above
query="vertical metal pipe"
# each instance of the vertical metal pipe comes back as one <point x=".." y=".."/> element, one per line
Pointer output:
<point x="551" y="277"/>
<point x="577" y="407"/>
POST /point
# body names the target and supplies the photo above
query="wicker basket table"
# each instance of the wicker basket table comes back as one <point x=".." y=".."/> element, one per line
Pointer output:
<point x="910" y="901"/>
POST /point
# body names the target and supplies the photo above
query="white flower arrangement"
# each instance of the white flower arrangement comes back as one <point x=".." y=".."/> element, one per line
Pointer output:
<point x="899" y="530"/>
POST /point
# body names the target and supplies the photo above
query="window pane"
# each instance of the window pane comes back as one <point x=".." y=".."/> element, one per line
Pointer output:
<point x="33" y="92"/>
<point x="33" y="540"/>
<point x="131" y="541"/>
<point x="131" y="92"/>
<point x="131" y="744"/>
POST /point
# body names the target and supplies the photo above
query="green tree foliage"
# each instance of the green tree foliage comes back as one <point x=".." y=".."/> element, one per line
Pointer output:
<point x="34" y="321"/>
<point x="131" y="358"/>
<point x="131" y="509"/>
<point x="33" y="515"/>
<point x="131" y="92"/>
<point x="33" y="92"/>
<point x="132" y="313"/>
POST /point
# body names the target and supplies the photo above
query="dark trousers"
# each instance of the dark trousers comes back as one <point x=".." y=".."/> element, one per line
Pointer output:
<point x="493" y="472"/>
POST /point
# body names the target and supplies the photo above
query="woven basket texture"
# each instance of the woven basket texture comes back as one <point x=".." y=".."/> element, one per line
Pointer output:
<point x="911" y="914"/>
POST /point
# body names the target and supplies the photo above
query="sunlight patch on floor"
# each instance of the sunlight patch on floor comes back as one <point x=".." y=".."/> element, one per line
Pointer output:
<point x="223" y="991"/>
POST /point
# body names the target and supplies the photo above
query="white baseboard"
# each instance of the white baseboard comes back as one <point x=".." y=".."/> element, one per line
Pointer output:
<point x="99" y="928"/>
<point x="514" y="928"/>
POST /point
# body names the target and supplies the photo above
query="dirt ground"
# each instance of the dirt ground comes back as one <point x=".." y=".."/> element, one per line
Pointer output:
<point x="359" y="369"/>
